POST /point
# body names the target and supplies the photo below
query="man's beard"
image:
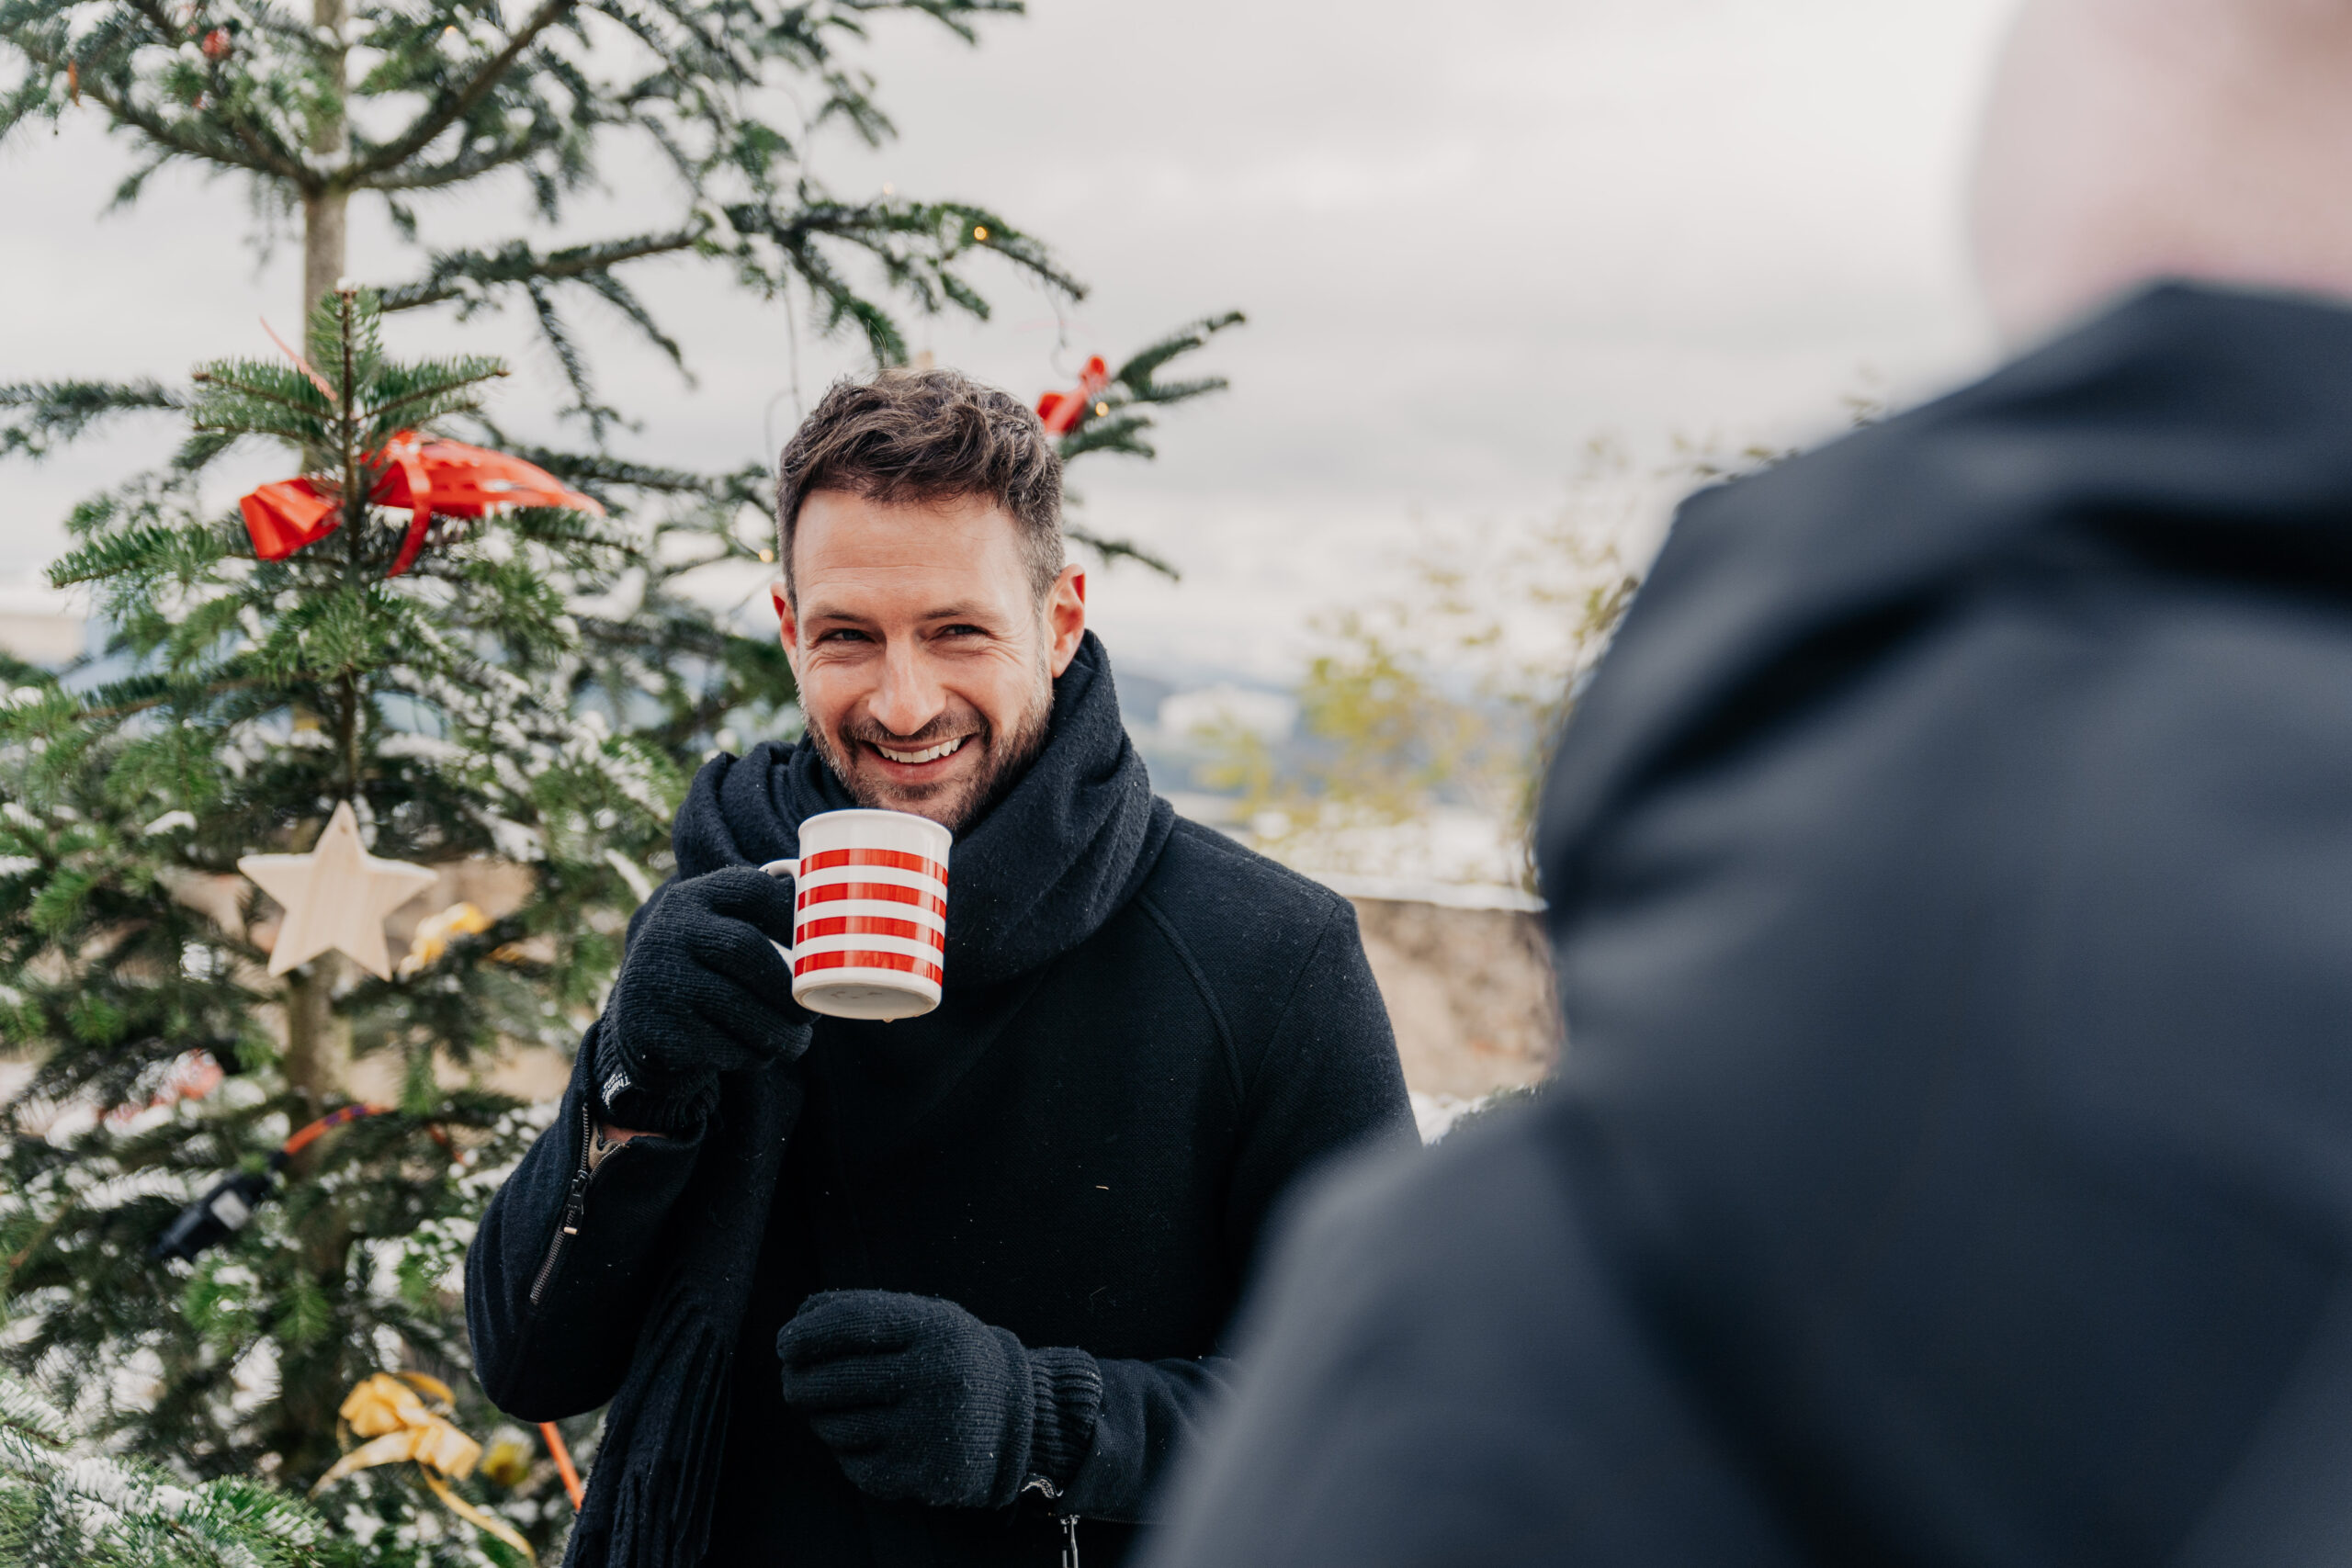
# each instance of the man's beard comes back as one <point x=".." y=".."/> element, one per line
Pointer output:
<point x="954" y="803"/>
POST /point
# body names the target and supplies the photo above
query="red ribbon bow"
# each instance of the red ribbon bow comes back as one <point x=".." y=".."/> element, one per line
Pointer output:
<point x="1062" y="410"/>
<point x="447" y="477"/>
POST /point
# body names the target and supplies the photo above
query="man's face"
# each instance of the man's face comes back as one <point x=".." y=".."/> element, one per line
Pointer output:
<point x="926" y="663"/>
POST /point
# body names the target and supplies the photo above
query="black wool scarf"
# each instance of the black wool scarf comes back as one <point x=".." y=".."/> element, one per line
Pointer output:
<point x="1052" y="861"/>
<point x="1034" y="877"/>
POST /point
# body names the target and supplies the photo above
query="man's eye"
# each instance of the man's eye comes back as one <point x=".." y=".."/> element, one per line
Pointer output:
<point x="842" y="633"/>
<point x="961" y="630"/>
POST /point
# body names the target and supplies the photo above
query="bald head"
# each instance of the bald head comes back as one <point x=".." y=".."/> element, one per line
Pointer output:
<point x="2132" y="140"/>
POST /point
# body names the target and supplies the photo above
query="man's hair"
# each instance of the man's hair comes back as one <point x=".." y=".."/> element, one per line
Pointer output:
<point x="919" y="437"/>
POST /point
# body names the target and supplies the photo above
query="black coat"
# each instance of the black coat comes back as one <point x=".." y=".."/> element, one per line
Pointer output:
<point x="1951" y="873"/>
<point x="1148" y="1032"/>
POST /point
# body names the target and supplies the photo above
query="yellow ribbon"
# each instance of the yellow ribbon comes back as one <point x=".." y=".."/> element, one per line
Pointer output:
<point x="433" y="934"/>
<point x="388" y="1410"/>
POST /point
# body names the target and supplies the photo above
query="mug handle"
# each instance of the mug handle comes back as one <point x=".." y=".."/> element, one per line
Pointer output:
<point x="791" y="868"/>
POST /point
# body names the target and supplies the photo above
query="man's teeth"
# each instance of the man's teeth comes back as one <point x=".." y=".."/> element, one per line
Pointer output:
<point x="932" y="753"/>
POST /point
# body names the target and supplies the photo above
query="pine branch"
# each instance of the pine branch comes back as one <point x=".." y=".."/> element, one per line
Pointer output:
<point x="847" y="101"/>
<point x="409" y="396"/>
<point x="574" y="365"/>
<point x="133" y="549"/>
<point x="1121" y="549"/>
<point x="183" y="138"/>
<point x="250" y="396"/>
<point x="916" y="243"/>
<point x="948" y="12"/>
<point x="1136" y="374"/>
<point x="467" y="166"/>
<point x="241" y="148"/>
<point x="451" y="106"/>
<point x="470" y="275"/>
<point x="63" y="1499"/>
<point x="1121" y="427"/>
<point x="620" y="295"/>
<point x="37" y="416"/>
<point x="1122" y="431"/>
<point x="600" y="471"/>
<point x="127" y="193"/>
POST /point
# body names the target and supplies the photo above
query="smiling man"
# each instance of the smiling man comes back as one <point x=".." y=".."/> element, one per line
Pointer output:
<point x="930" y="686"/>
<point x="948" y="1290"/>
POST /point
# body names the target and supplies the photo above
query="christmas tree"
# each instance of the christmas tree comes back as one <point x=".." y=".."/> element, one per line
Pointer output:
<point x="62" y="1504"/>
<point x="208" y="1243"/>
<point x="457" y="710"/>
<point x="460" y="686"/>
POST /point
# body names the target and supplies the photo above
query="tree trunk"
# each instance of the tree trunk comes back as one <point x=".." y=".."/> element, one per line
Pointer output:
<point x="314" y="1377"/>
<point x="323" y="212"/>
<point x="322" y="247"/>
<point x="318" y="1043"/>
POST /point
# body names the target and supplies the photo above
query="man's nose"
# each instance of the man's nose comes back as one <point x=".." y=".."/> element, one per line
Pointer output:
<point x="909" y="695"/>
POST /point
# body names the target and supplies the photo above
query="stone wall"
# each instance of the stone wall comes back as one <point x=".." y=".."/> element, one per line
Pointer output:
<point x="1469" y="992"/>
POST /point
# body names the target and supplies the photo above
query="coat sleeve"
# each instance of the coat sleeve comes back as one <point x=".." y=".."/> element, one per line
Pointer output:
<point x="1324" y="1078"/>
<point x="561" y="1270"/>
<point x="1323" y="1081"/>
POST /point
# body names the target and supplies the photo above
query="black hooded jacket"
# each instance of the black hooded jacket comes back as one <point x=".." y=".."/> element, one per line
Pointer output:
<point x="1148" y="1031"/>
<point x="1951" y="869"/>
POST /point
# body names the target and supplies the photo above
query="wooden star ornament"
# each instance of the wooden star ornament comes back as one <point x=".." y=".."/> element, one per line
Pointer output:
<point x="335" y="896"/>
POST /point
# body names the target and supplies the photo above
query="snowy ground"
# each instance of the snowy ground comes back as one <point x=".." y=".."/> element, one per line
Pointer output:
<point x="1435" y="1115"/>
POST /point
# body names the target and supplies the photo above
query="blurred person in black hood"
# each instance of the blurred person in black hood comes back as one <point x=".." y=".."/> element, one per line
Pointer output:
<point x="1951" y="875"/>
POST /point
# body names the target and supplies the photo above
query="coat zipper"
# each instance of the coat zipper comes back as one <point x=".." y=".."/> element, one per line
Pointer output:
<point x="1053" y="1496"/>
<point x="575" y="1205"/>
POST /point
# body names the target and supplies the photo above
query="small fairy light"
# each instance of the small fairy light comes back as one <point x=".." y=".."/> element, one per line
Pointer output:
<point x="980" y="232"/>
<point x="890" y="189"/>
<point x="1102" y="409"/>
<point x="450" y="33"/>
<point x="767" y="555"/>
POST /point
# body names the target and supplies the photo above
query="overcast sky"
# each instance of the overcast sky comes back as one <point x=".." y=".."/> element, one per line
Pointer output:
<point x="1469" y="238"/>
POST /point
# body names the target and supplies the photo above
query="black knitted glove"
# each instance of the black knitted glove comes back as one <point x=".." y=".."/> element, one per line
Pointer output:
<point x="702" y="991"/>
<point x="923" y="1403"/>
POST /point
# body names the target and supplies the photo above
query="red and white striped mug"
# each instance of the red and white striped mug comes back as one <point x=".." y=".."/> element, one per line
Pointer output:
<point x="869" y="924"/>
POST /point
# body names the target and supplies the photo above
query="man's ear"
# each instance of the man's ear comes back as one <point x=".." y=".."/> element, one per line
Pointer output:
<point x="787" y="625"/>
<point x="1065" y="616"/>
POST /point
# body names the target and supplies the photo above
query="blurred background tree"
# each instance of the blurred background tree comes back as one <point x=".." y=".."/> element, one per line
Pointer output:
<point x="1451" y="693"/>
<point x="1447" y="693"/>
